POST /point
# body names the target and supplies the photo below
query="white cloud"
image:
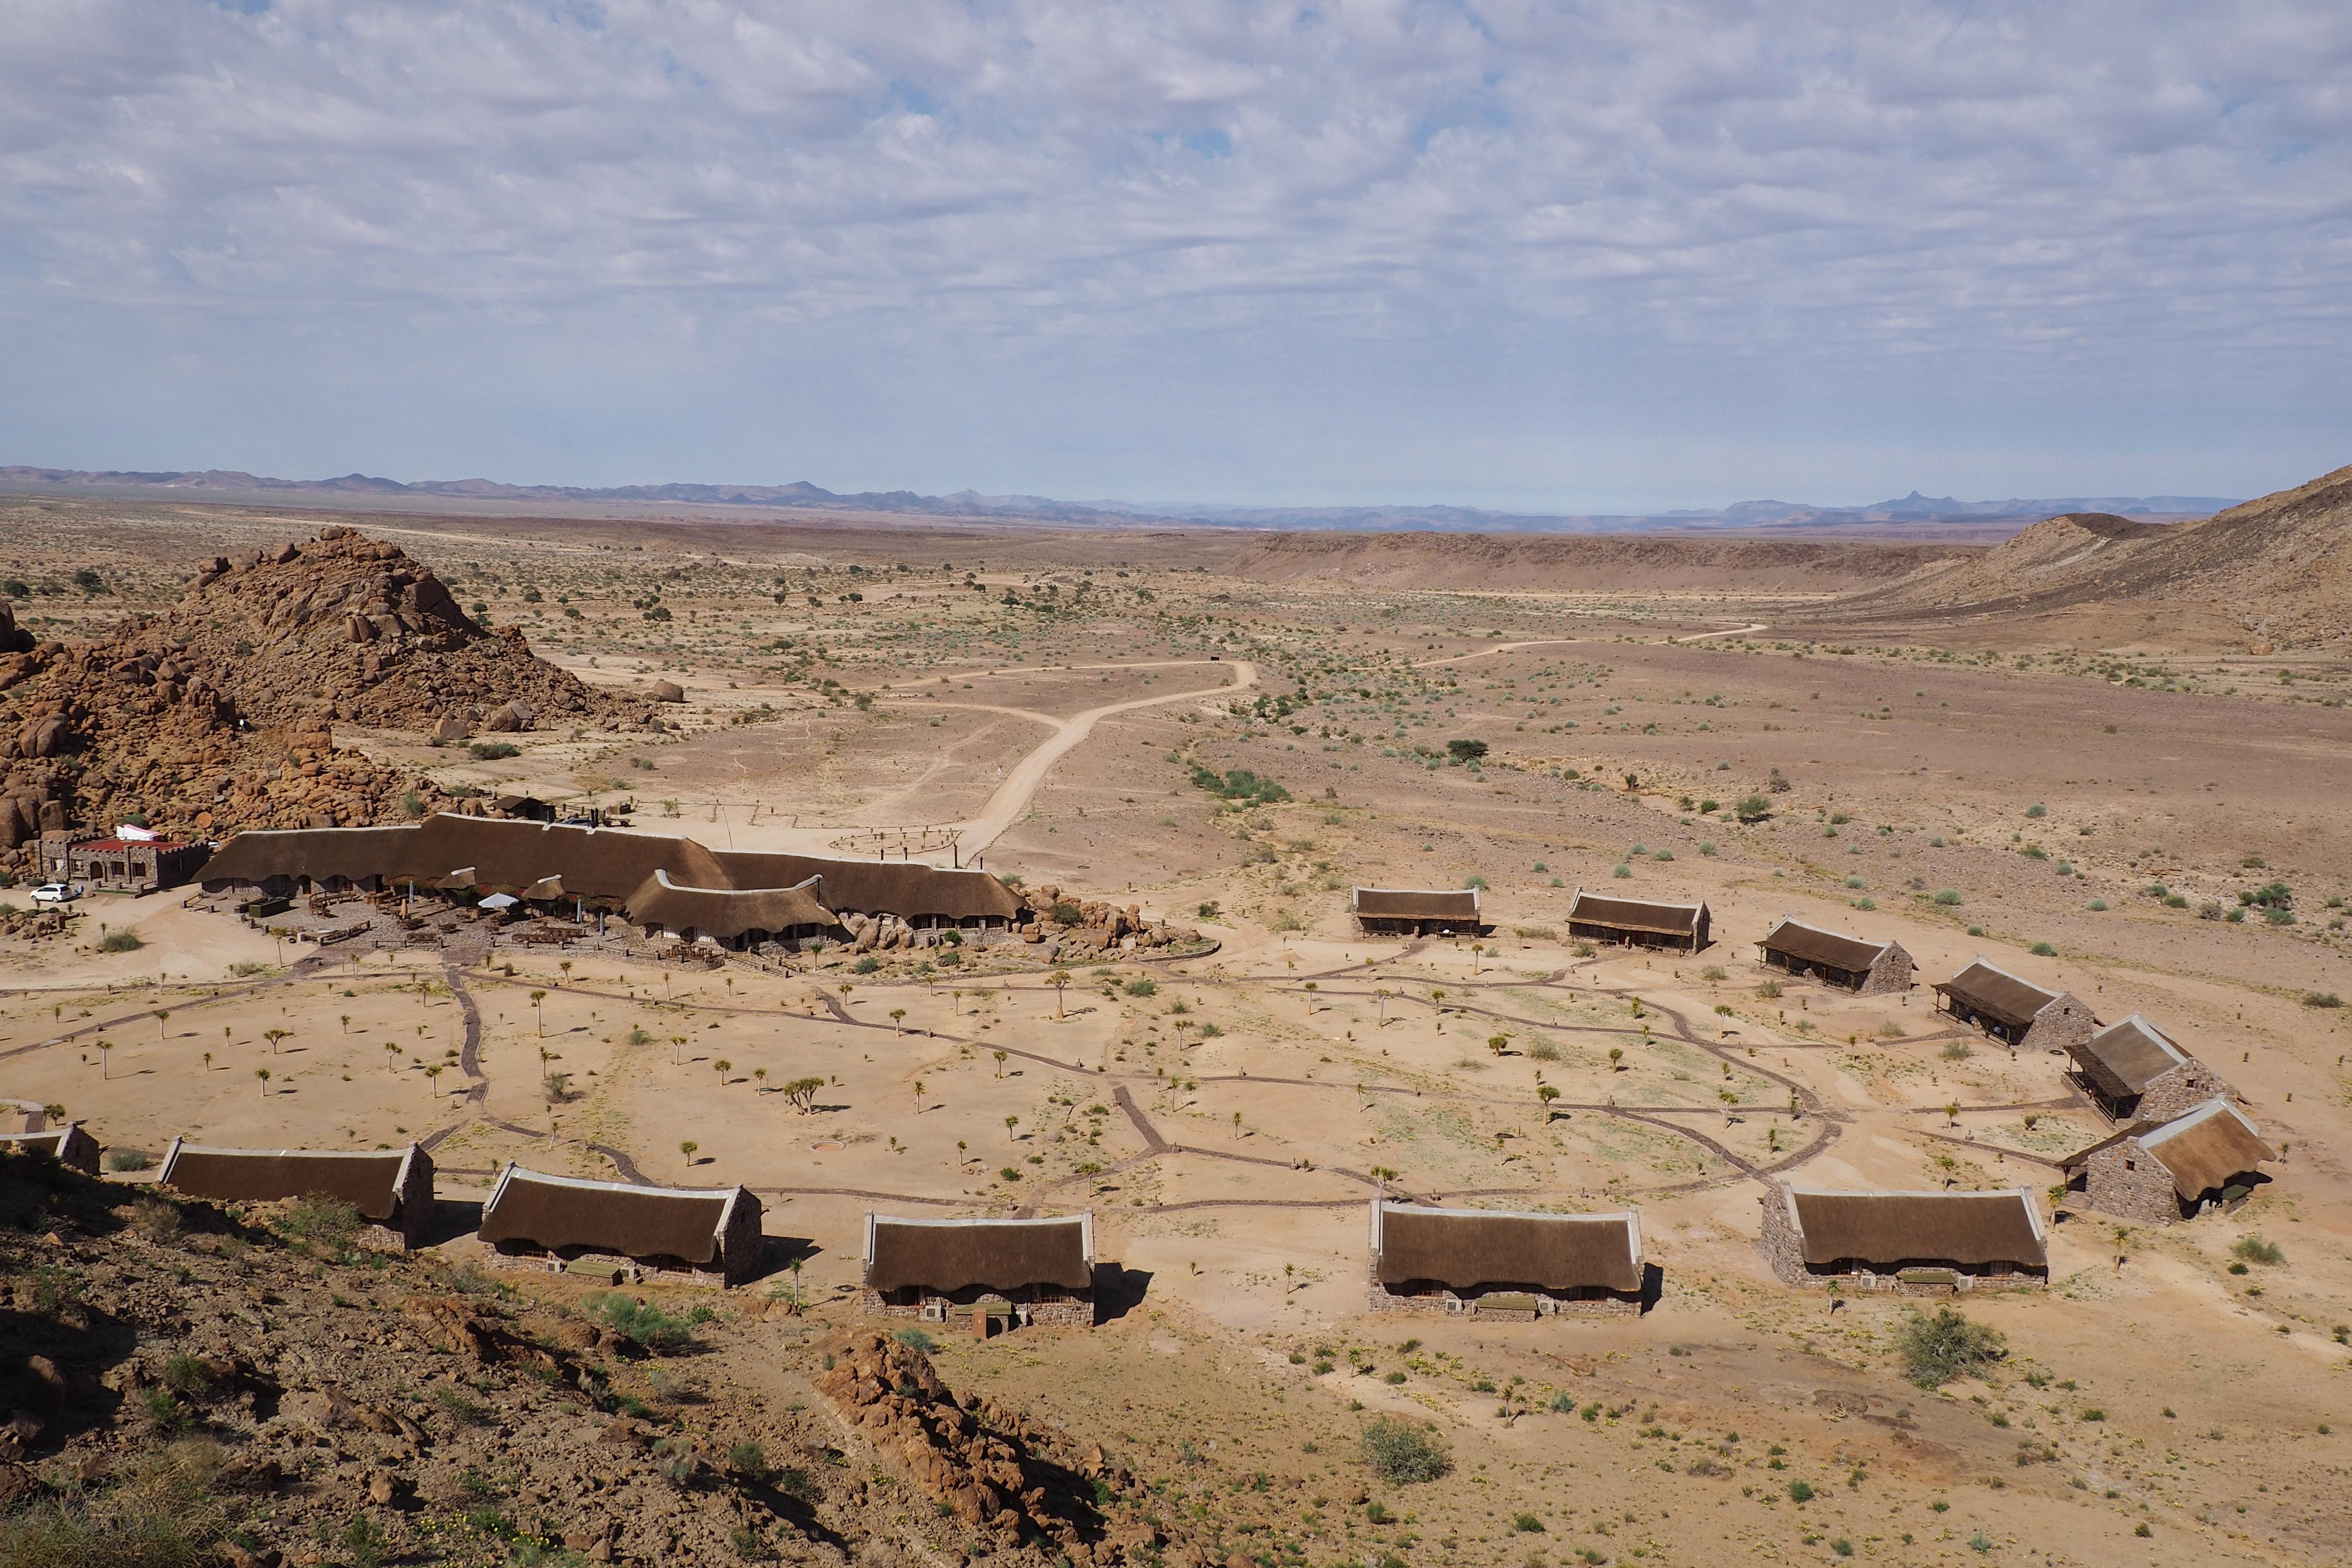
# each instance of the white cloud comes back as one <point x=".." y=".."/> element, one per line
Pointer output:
<point x="1709" y="202"/>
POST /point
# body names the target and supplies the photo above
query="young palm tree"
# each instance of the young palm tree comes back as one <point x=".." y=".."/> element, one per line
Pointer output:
<point x="1059" y="980"/>
<point x="724" y="1066"/>
<point x="105" y="1060"/>
<point x="536" y="997"/>
<point x="263" y="1074"/>
<point x="163" y="1017"/>
<point x="689" y="1148"/>
<point x="897" y="1016"/>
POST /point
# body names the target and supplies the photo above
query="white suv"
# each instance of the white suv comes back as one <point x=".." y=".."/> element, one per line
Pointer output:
<point x="54" y="893"/>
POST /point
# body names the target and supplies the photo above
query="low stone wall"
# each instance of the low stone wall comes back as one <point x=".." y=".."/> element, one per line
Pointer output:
<point x="1389" y="1303"/>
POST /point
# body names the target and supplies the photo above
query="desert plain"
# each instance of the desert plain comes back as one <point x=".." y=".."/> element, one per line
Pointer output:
<point x="2096" y="791"/>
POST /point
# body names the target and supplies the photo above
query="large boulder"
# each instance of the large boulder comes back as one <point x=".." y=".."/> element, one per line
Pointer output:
<point x="669" y="692"/>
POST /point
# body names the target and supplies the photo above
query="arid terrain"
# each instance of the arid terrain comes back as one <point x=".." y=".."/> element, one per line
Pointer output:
<point x="2086" y="754"/>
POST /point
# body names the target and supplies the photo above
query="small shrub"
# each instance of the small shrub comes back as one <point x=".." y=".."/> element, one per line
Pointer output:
<point x="1800" y="1491"/>
<point x="459" y="1408"/>
<point x="1948" y="897"/>
<point x="121" y="941"/>
<point x="1957" y="1050"/>
<point x="2253" y="1248"/>
<point x="1526" y="1524"/>
<point x="2043" y="950"/>
<point x="2322" y="999"/>
<point x="916" y="1340"/>
<point x="329" y="1223"/>
<point x="130" y="1160"/>
<point x="747" y="1458"/>
<point x="1940" y="1348"/>
<point x="640" y="1320"/>
<point x="493" y="751"/>
<point x="1403" y="1454"/>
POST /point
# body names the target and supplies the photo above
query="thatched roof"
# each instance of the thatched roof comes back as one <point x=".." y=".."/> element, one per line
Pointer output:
<point x="556" y="1212"/>
<point x="1811" y="944"/>
<point x="907" y="888"/>
<point x="452" y="853"/>
<point x="2200" y="1150"/>
<point x="1457" y="904"/>
<point x="1466" y="1248"/>
<point x="1636" y="914"/>
<point x="595" y="862"/>
<point x="1989" y="989"/>
<point x="369" y="1180"/>
<point x="951" y="1255"/>
<point x="2127" y="1056"/>
<point x="723" y="914"/>
<point x="1885" y="1228"/>
<point x="258" y="855"/>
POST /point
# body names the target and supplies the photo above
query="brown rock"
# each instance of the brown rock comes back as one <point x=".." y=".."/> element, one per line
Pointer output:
<point x="379" y="1490"/>
<point x="667" y="691"/>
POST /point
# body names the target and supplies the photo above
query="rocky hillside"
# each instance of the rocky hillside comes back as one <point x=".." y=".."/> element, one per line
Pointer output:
<point x="2279" y="567"/>
<point x="182" y="1385"/>
<point x="345" y="626"/>
<point x="218" y="713"/>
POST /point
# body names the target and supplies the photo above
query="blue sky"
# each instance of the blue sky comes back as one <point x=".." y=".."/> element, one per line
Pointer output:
<point x="1587" y="258"/>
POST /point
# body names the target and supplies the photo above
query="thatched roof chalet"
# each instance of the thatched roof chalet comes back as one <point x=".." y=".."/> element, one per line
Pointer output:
<point x="1811" y="944"/>
<point x="945" y="1257"/>
<point x="1886" y="1230"/>
<point x="1636" y="914"/>
<point x="1994" y="992"/>
<point x="1476" y="1249"/>
<point x="2202" y="1151"/>
<point x="392" y="1187"/>
<point x="713" y="1230"/>
<point x="68" y="1145"/>
<point x="2127" y="1056"/>
<point x="1451" y="906"/>
<point x="724" y="913"/>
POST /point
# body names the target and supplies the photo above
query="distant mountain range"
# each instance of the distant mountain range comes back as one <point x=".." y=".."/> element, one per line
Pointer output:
<point x="1914" y="512"/>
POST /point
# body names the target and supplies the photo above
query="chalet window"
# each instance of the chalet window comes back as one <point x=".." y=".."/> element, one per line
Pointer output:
<point x="2131" y="1164"/>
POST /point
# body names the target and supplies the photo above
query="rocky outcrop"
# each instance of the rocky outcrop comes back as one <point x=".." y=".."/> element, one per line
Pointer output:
<point x="218" y="713"/>
<point x="1000" y="1475"/>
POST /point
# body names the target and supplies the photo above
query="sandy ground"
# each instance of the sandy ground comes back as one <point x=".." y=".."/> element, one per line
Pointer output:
<point x="1224" y="1117"/>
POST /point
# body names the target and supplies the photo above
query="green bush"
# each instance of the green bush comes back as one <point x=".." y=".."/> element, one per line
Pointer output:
<point x="1240" y="784"/>
<point x="1142" y="988"/>
<point x="1938" y="1349"/>
<point x="914" y="1339"/>
<point x="1401" y="1454"/>
<point x="2043" y="950"/>
<point x="1753" y="808"/>
<point x="493" y="751"/>
<point x="640" y="1320"/>
<point x="129" y="1160"/>
<point x="328" y="1224"/>
<point x="2254" y="1248"/>
<point x="121" y="941"/>
<point x="1800" y="1491"/>
<point x="1948" y="897"/>
<point x="2322" y="999"/>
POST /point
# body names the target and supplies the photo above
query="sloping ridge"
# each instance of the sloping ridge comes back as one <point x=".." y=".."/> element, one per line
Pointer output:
<point x="2281" y="564"/>
<point x="1537" y="563"/>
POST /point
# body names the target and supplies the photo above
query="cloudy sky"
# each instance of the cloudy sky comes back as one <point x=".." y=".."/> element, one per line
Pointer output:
<point x="1592" y="257"/>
